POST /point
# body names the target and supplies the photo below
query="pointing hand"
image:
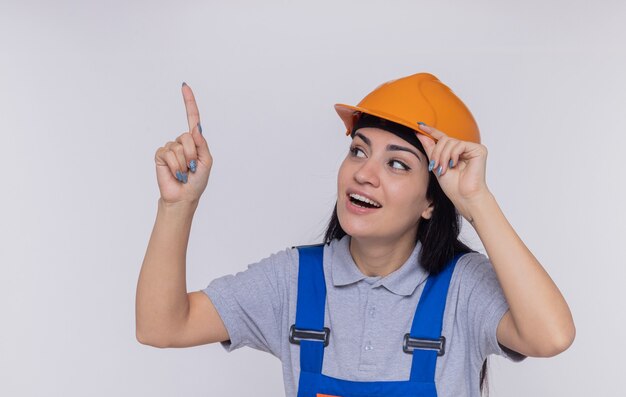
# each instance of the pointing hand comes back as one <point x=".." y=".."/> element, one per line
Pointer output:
<point x="183" y="166"/>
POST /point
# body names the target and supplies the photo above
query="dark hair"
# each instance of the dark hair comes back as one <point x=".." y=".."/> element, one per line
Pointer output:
<point x="439" y="235"/>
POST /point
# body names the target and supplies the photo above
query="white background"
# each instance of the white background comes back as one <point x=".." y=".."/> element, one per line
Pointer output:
<point x="90" y="90"/>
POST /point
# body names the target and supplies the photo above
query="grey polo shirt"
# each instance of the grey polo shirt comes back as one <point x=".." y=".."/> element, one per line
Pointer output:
<point x="368" y="317"/>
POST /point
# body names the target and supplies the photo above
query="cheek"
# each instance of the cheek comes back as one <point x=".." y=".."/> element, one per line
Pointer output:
<point x="409" y="197"/>
<point x="344" y="173"/>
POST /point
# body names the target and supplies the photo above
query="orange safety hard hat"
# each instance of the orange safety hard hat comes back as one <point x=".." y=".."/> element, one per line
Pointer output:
<point x="409" y="100"/>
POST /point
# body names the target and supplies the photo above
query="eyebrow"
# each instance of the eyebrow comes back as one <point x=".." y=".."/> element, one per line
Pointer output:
<point x="389" y="147"/>
<point x="404" y="149"/>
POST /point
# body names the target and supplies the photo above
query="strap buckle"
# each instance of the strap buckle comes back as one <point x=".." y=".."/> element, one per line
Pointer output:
<point x="297" y="335"/>
<point x="411" y="344"/>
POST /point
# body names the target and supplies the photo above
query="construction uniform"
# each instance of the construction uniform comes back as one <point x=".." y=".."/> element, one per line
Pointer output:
<point x="366" y="350"/>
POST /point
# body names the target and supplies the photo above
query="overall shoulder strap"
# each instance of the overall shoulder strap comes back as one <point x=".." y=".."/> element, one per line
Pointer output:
<point x="309" y="331"/>
<point x="425" y="341"/>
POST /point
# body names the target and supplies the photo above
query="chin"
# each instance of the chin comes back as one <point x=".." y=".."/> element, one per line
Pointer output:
<point x="358" y="228"/>
<point x="365" y="230"/>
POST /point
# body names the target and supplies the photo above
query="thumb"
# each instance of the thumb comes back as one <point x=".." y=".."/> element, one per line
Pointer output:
<point x="202" y="147"/>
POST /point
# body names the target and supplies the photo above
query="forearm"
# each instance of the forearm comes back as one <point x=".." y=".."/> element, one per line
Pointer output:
<point x="540" y="314"/>
<point x="161" y="301"/>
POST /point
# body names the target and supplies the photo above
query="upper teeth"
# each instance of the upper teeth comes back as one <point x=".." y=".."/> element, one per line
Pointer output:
<point x="364" y="199"/>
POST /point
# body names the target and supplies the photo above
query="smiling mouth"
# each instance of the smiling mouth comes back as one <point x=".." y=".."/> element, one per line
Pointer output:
<point x="363" y="202"/>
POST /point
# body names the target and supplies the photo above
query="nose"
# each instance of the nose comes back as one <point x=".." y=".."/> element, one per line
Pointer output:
<point x="367" y="173"/>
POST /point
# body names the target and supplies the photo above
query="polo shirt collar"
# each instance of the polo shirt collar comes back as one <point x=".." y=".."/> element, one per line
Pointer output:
<point x="403" y="281"/>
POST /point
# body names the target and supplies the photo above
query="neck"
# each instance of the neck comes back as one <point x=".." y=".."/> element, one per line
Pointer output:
<point x="380" y="258"/>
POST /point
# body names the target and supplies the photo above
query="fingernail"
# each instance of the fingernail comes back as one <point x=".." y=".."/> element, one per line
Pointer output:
<point x="192" y="165"/>
<point x="422" y="123"/>
<point x="184" y="84"/>
<point x="431" y="165"/>
<point x="199" y="128"/>
<point x="185" y="176"/>
<point x="439" y="170"/>
<point x="179" y="176"/>
<point x="451" y="163"/>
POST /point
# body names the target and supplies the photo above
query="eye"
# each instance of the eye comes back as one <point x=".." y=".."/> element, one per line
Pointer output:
<point x="356" y="152"/>
<point x="398" y="165"/>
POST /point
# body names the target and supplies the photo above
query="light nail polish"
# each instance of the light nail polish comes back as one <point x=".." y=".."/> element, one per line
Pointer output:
<point x="192" y="165"/>
<point x="451" y="163"/>
<point x="431" y="165"/>
<point x="439" y="170"/>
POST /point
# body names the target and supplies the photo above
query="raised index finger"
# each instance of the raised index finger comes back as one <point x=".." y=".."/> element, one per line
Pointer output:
<point x="193" y="116"/>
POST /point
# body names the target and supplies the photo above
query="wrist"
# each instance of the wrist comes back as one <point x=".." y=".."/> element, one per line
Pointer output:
<point x="177" y="207"/>
<point x="480" y="207"/>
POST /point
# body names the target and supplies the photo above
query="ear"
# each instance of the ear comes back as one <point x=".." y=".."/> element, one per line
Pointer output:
<point x="428" y="212"/>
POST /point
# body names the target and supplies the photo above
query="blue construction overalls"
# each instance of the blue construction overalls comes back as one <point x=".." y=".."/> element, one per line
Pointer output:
<point x="424" y="341"/>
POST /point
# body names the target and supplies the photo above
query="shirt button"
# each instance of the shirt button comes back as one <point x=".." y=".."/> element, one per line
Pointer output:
<point x="373" y="312"/>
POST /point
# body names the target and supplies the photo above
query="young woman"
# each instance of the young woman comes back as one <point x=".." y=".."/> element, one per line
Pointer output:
<point x="393" y="304"/>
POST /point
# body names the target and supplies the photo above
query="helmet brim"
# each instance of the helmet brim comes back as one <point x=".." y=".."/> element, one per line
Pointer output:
<point x="348" y="115"/>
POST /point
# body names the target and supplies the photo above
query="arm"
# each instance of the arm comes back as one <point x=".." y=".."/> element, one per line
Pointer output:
<point x="166" y="315"/>
<point x="161" y="301"/>
<point x="539" y="322"/>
